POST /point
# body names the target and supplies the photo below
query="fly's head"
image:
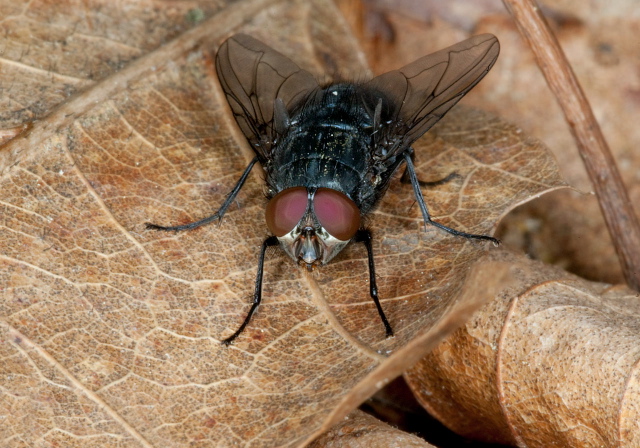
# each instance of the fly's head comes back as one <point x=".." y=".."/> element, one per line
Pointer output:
<point x="312" y="224"/>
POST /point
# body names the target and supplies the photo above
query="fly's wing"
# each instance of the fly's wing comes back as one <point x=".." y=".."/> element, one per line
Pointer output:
<point x="252" y="76"/>
<point x="416" y="96"/>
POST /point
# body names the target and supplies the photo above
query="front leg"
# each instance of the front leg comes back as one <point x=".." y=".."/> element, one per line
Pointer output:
<point x="364" y="236"/>
<point x="257" y="293"/>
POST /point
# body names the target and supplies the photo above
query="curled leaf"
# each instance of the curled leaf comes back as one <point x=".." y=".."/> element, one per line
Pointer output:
<point x="360" y="430"/>
<point x="551" y="362"/>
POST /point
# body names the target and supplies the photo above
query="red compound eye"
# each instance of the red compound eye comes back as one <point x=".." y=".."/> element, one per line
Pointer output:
<point x="285" y="210"/>
<point x="338" y="214"/>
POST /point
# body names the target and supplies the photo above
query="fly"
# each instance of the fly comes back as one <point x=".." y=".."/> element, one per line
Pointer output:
<point x="329" y="152"/>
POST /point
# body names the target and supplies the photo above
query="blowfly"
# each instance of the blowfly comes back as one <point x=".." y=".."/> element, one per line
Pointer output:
<point x="329" y="152"/>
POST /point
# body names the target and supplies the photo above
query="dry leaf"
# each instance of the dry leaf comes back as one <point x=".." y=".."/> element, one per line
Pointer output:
<point x="360" y="430"/>
<point x="112" y="332"/>
<point x="484" y="281"/>
<point x="551" y="363"/>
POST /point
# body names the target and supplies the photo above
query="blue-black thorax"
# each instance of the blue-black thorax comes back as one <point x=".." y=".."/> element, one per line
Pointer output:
<point x="327" y="145"/>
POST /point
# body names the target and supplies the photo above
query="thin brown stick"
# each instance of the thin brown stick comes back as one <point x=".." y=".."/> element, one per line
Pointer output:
<point x="616" y="207"/>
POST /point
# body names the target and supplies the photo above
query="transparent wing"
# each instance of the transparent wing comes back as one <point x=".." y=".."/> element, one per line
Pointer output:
<point x="416" y="96"/>
<point x="252" y="76"/>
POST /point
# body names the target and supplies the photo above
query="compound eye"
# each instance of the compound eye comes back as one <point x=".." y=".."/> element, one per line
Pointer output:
<point x="338" y="214"/>
<point x="285" y="210"/>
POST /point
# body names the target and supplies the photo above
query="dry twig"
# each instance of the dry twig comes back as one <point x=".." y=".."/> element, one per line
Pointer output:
<point x="616" y="207"/>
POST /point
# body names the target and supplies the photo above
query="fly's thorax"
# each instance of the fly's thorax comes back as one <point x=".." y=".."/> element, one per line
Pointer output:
<point x="327" y="143"/>
<point x="321" y="156"/>
<point x="312" y="224"/>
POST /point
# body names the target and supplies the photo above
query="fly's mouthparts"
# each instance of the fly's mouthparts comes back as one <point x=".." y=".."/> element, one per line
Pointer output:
<point x="308" y="248"/>
<point x="310" y="267"/>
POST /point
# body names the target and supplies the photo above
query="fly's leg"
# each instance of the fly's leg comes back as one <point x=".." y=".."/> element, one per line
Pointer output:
<point x="221" y="211"/>
<point x="257" y="294"/>
<point x="364" y="236"/>
<point x="406" y="178"/>
<point x="271" y="241"/>
<point x="423" y="207"/>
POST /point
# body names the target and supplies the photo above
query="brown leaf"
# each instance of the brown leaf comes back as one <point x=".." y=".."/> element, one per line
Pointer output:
<point x="553" y="362"/>
<point x="113" y="331"/>
<point x="360" y="430"/>
<point x="484" y="281"/>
